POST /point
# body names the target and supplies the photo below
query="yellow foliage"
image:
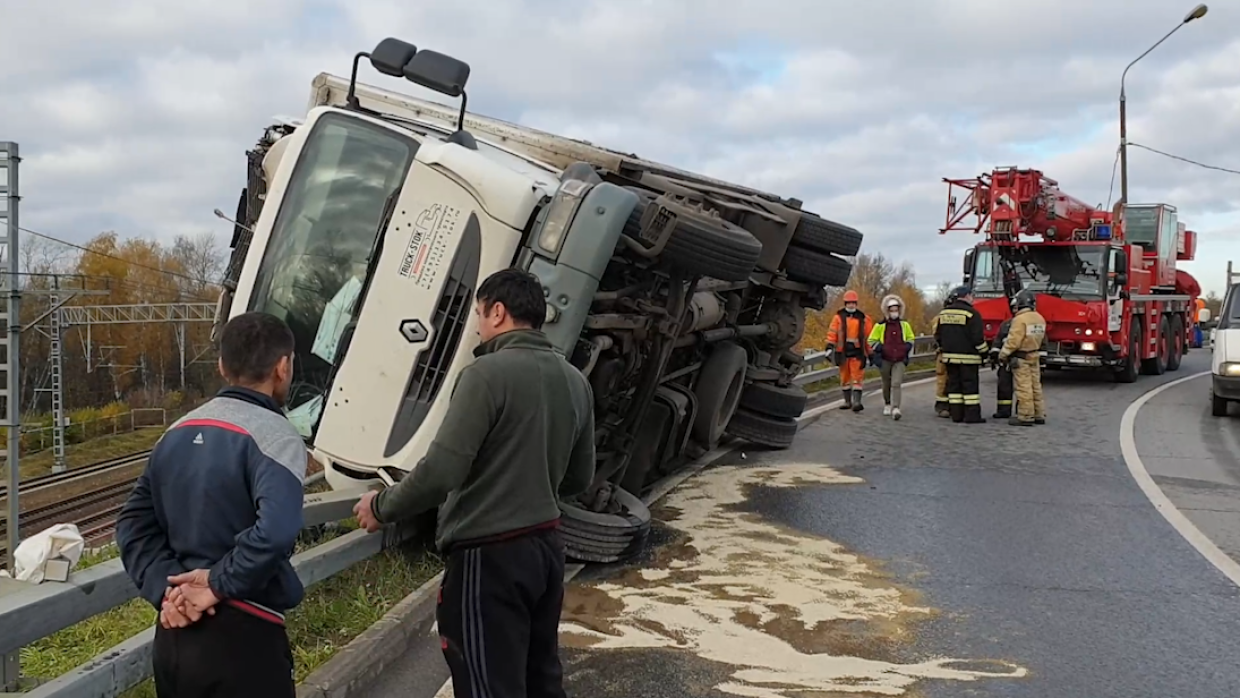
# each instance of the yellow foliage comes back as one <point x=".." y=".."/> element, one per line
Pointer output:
<point x="873" y="277"/>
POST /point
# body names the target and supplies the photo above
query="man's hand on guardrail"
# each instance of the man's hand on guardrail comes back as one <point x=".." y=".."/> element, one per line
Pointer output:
<point x="365" y="514"/>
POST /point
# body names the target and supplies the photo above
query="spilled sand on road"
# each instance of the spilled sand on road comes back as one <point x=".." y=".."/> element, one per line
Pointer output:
<point x="793" y="613"/>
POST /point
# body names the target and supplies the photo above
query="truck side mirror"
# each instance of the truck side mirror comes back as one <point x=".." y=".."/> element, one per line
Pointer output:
<point x="968" y="263"/>
<point x="391" y="56"/>
<point x="1121" y="279"/>
<point x="441" y="73"/>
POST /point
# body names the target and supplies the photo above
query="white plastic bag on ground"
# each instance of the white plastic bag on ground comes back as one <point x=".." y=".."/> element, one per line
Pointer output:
<point x="30" y="561"/>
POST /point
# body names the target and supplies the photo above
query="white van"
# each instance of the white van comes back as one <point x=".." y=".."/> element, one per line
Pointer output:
<point x="1225" y="364"/>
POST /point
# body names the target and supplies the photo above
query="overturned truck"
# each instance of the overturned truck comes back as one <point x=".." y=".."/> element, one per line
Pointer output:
<point x="368" y="224"/>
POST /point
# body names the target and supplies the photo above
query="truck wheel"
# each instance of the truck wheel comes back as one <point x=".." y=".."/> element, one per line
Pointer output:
<point x="774" y="401"/>
<point x="592" y="536"/>
<point x="1176" y="342"/>
<point x="816" y="268"/>
<point x="701" y="245"/>
<point x="816" y="233"/>
<point x="774" y="432"/>
<point x="1157" y="364"/>
<point x="719" y="387"/>
<point x="1128" y="372"/>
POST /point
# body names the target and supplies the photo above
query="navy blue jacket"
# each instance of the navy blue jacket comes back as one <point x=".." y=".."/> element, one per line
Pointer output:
<point x="223" y="490"/>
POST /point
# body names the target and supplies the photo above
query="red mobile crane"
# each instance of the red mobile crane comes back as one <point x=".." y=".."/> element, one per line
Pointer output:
<point x="1108" y="287"/>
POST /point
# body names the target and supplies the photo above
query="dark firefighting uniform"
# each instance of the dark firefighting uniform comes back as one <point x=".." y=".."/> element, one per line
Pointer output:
<point x="959" y="335"/>
<point x="1004" y="392"/>
<point x="1023" y="344"/>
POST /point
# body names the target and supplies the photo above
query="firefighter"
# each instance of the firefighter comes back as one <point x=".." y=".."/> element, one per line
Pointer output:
<point x="846" y="347"/>
<point x="1004" y="392"/>
<point x="959" y="335"/>
<point x="1021" y="353"/>
<point x="940" y="376"/>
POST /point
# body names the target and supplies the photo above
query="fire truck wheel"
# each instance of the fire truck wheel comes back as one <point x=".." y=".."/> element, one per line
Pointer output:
<point x="773" y="400"/>
<point x="814" y="232"/>
<point x="816" y="268"/>
<point x="1177" y="342"/>
<point x="701" y="245"/>
<point x="718" y="390"/>
<point x="592" y="536"/>
<point x="1128" y="372"/>
<point x="1157" y="364"/>
<point x="772" y="432"/>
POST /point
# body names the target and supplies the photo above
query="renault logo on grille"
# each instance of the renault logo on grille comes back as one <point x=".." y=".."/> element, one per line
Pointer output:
<point x="414" y="331"/>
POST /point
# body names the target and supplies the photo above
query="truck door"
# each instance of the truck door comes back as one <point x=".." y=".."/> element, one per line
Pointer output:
<point x="1117" y="269"/>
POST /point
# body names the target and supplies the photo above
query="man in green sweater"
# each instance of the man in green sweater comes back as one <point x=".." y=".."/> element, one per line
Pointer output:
<point x="518" y="436"/>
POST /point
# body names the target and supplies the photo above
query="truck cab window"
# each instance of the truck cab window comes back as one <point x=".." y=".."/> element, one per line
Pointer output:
<point x="323" y="236"/>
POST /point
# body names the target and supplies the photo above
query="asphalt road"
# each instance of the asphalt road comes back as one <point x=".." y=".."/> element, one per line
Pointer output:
<point x="929" y="559"/>
<point x="1028" y="553"/>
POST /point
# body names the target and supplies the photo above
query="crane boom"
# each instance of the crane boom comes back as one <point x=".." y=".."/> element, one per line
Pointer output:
<point x="1009" y="203"/>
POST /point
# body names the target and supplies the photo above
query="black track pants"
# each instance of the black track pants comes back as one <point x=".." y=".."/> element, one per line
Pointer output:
<point x="231" y="654"/>
<point x="964" y="392"/>
<point x="1007" y="388"/>
<point x="499" y="617"/>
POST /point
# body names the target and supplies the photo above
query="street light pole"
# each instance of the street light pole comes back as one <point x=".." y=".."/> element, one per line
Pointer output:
<point x="1197" y="13"/>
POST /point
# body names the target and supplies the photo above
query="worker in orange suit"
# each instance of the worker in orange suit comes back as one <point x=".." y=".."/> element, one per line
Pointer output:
<point x="846" y="347"/>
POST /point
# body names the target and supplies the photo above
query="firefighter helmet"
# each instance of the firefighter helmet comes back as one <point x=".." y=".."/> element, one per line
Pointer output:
<point x="851" y="297"/>
<point x="958" y="293"/>
<point x="1024" y="299"/>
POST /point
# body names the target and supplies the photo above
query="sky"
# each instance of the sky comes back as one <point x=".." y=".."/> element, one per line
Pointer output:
<point x="135" y="116"/>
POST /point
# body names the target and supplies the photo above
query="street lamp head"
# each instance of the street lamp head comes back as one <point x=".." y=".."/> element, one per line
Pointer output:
<point x="1197" y="13"/>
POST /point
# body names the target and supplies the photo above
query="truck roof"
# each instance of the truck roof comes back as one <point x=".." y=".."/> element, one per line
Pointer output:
<point x="548" y="148"/>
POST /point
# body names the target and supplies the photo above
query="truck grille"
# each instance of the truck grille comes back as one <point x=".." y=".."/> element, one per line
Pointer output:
<point x="448" y="324"/>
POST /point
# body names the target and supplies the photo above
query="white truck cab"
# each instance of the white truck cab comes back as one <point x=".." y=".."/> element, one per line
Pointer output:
<point x="1225" y="357"/>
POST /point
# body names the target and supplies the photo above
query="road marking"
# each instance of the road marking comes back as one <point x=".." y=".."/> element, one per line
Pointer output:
<point x="1187" y="529"/>
<point x="674" y="480"/>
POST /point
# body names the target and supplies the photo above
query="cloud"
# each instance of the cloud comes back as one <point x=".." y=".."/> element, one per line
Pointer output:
<point x="138" y="120"/>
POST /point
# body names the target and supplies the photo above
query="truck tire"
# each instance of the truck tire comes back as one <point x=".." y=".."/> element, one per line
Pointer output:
<point x="700" y="246"/>
<point x="719" y="387"/>
<point x="814" y="232"/>
<point x="816" y="268"/>
<point x="1128" y="371"/>
<point x="773" y="432"/>
<point x="1176" y="349"/>
<point x="1218" y="406"/>
<point x="592" y="536"/>
<point x="773" y="400"/>
<point x="1157" y="364"/>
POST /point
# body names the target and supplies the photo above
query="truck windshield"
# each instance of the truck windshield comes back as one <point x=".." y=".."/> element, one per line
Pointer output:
<point x="316" y="259"/>
<point x="1069" y="271"/>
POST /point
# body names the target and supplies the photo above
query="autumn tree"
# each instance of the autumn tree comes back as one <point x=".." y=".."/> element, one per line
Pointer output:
<point x="873" y="277"/>
<point x="139" y="363"/>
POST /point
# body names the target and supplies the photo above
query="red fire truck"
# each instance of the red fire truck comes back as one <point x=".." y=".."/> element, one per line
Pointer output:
<point x="1106" y="281"/>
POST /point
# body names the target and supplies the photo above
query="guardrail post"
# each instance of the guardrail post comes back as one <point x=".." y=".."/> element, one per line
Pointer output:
<point x="11" y="662"/>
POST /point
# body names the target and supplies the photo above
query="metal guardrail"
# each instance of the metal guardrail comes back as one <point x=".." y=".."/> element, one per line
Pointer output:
<point x="29" y="613"/>
<point x="923" y="348"/>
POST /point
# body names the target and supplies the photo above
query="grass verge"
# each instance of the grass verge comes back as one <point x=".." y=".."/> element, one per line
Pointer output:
<point x="93" y="451"/>
<point x="334" y="612"/>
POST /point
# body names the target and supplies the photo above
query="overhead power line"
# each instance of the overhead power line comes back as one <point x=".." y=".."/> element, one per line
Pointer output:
<point x="1184" y="159"/>
<point x="130" y="262"/>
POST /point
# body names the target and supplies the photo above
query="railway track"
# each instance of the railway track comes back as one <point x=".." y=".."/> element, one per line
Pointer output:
<point x="43" y="482"/>
<point x="93" y="512"/>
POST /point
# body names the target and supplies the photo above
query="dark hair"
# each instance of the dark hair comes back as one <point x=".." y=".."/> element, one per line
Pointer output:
<point x="521" y="293"/>
<point x="251" y="345"/>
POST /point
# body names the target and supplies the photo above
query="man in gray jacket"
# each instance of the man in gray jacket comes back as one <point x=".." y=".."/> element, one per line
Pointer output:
<point x="518" y="436"/>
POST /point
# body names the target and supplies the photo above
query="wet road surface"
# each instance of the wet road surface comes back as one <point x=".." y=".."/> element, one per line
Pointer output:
<point x="1024" y="553"/>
